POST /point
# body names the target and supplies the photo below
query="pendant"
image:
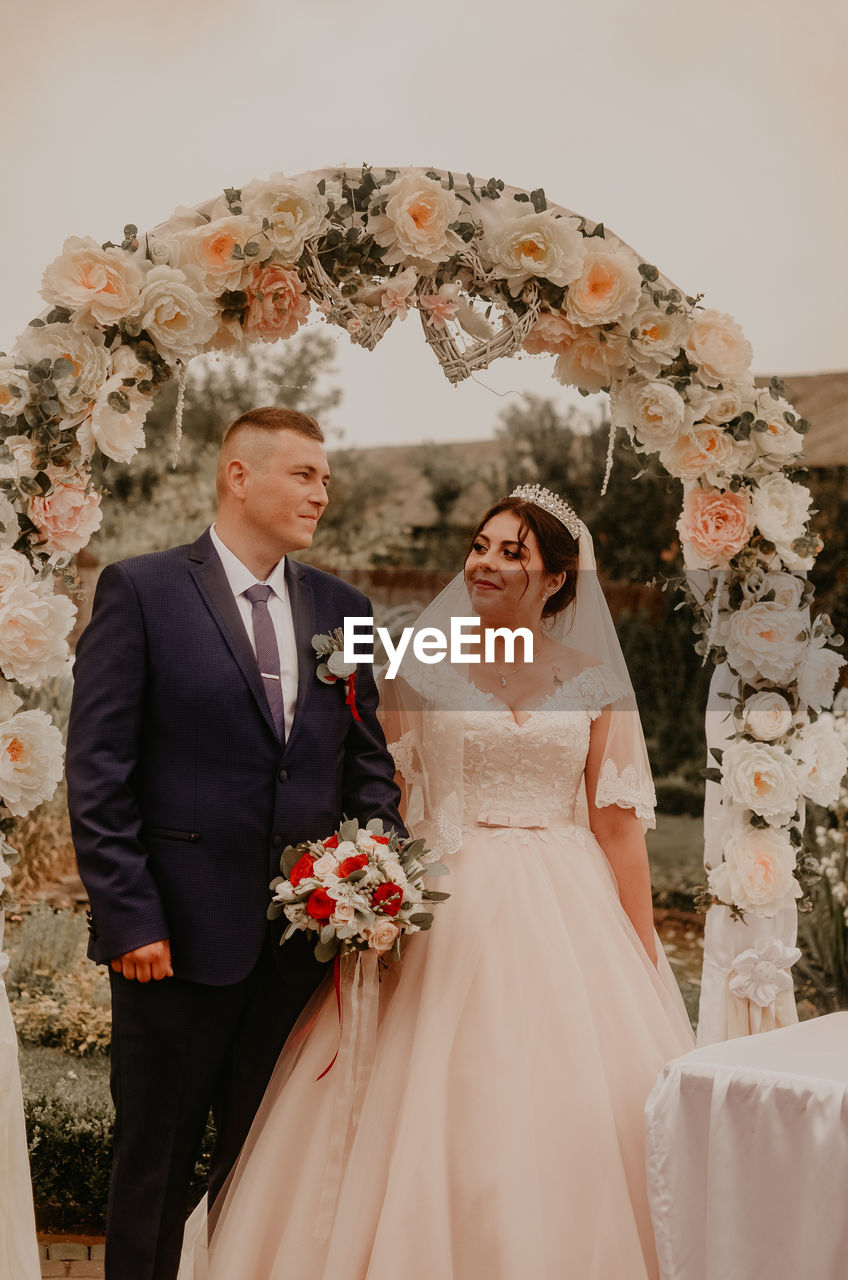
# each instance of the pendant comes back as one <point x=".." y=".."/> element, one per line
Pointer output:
<point x="503" y="681"/>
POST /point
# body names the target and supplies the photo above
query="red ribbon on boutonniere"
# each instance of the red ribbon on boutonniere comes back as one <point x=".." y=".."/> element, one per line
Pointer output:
<point x="332" y="667"/>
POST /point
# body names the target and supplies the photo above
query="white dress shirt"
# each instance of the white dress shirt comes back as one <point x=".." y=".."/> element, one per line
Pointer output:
<point x="279" y="607"/>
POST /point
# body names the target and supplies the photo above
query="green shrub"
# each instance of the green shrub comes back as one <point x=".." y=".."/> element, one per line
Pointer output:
<point x="57" y="996"/>
<point x="69" y="1118"/>
<point x="677" y="795"/>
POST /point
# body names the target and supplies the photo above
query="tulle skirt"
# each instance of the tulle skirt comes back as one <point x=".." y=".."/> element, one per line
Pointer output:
<point x="501" y="1129"/>
<point x="18" y="1245"/>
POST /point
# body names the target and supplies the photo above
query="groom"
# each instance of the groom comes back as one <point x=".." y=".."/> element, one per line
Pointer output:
<point x="201" y="742"/>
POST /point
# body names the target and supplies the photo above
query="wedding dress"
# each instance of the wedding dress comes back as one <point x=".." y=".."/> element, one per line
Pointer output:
<point x="501" y="1129"/>
<point x="18" y="1244"/>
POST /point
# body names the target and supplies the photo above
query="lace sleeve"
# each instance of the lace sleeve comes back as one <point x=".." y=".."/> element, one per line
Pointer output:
<point x="597" y="687"/>
<point x="405" y="758"/>
<point x="627" y="790"/>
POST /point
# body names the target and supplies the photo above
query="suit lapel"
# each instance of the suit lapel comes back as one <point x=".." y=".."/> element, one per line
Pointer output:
<point x="211" y="581"/>
<point x="302" y="603"/>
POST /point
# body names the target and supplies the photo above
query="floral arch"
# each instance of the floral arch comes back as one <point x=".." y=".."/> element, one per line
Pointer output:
<point x="490" y="270"/>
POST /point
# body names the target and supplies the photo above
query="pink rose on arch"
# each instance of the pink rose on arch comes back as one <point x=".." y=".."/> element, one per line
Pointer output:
<point x="714" y="525"/>
<point x="67" y="516"/>
<point x="276" y="304"/>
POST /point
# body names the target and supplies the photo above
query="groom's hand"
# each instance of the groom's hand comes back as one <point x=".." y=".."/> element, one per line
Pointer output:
<point x="152" y="961"/>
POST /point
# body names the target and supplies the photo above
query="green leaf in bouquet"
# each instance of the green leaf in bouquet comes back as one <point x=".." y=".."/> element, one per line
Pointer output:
<point x="275" y="910"/>
<point x="291" y="855"/>
<point x="375" y="826"/>
<point x="436" y="869"/>
<point x="414" y="849"/>
<point x="359" y="874"/>
<point x="328" y="932"/>
<point x="277" y="880"/>
<point x="349" y="830"/>
<point x="433" y="895"/>
<point x="423" y="919"/>
<point x="325" y="951"/>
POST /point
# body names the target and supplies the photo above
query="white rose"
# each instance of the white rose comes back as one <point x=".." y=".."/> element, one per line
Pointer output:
<point x="14" y="388"/>
<point x="417" y="219"/>
<point x="337" y="665"/>
<point x="589" y="361"/>
<point x="31" y="755"/>
<point x="161" y="252"/>
<point x="210" y="249"/>
<point x="653" y="412"/>
<point x="817" y="676"/>
<point x="22" y="462"/>
<point x="781" y="440"/>
<point x="758" y="871"/>
<point x="520" y="245"/>
<point x="33" y="631"/>
<point x="97" y="284"/>
<point x="394" y="872"/>
<point x="654" y="337"/>
<point x="344" y="913"/>
<point x="381" y="935"/>
<point x="785" y="587"/>
<point x="178" y="316"/>
<point x="86" y="350"/>
<point x="117" y="435"/>
<point x="781" y="508"/>
<point x="762" y="778"/>
<point x="326" y="865"/>
<point x="609" y="286"/>
<point x="704" y="450"/>
<point x="717" y="345"/>
<point x="9" y="703"/>
<point x="9" y="527"/>
<point x="729" y="400"/>
<point x="823" y="761"/>
<point x="767" y="640"/>
<point x="15" y="571"/>
<point x="767" y="716"/>
<point x="295" y="209"/>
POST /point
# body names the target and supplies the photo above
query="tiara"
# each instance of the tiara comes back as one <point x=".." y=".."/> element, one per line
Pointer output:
<point x="556" y="506"/>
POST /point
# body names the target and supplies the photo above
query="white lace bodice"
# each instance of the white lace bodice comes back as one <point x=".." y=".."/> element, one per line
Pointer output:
<point x="530" y="774"/>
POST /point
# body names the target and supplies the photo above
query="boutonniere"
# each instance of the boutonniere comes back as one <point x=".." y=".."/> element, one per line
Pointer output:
<point x="332" y="667"/>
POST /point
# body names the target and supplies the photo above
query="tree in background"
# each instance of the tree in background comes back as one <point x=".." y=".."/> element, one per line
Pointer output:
<point x="154" y="505"/>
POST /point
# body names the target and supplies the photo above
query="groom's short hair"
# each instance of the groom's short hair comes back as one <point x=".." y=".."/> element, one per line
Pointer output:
<point x="270" y="418"/>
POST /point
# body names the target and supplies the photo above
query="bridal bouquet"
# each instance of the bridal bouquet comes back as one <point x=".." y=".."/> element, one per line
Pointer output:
<point x="357" y="889"/>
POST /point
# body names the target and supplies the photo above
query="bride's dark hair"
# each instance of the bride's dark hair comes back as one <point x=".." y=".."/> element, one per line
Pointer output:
<point x="560" y="551"/>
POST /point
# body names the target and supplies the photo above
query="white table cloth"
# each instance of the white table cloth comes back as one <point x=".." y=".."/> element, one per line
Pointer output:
<point x="747" y="1151"/>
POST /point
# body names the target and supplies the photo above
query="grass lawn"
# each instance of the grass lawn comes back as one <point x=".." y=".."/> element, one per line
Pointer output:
<point x="676" y="852"/>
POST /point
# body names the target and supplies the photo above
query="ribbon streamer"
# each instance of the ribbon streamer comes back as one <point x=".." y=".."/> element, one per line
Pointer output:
<point x="359" y="994"/>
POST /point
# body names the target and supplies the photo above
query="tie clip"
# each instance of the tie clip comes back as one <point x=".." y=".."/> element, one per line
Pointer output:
<point x="266" y="675"/>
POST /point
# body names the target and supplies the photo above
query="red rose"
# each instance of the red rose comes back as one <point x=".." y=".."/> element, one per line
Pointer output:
<point x="332" y="842"/>
<point x="380" y="839"/>
<point x="320" y="905"/>
<point x="354" y="863"/>
<point x="302" y="869"/>
<point x="389" y="897"/>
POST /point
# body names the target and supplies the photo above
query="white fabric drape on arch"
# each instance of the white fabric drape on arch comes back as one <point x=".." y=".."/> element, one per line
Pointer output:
<point x="18" y="1246"/>
<point x="722" y="1014"/>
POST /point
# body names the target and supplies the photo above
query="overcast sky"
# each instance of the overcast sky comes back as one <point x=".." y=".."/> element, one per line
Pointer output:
<point x="710" y="136"/>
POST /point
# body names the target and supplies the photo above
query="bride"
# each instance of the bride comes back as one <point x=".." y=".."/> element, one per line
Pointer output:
<point x="500" y="1128"/>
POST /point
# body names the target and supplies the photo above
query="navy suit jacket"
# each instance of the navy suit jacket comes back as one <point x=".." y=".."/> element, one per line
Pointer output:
<point x="181" y="794"/>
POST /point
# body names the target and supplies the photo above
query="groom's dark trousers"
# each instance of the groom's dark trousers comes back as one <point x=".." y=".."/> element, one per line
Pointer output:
<point x="182" y="797"/>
